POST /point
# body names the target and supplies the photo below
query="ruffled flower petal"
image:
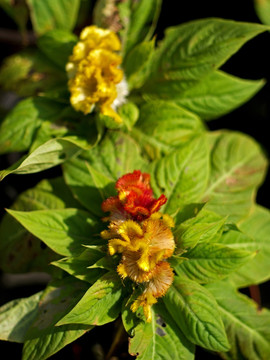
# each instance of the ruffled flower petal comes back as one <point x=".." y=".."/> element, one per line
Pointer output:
<point x="94" y="73"/>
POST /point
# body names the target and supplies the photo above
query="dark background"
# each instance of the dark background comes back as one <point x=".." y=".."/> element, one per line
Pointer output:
<point x="251" y="62"/>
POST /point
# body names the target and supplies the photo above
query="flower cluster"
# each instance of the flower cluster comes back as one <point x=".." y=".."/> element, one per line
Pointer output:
<point x="95" y="78"/>
<point x="143" y="236"/>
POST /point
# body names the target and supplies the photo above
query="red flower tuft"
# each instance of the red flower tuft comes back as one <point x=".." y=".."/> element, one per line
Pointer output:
<point x="135" y="197"/>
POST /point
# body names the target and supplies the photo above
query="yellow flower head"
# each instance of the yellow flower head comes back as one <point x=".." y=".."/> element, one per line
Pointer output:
<point x="94" y="73"/>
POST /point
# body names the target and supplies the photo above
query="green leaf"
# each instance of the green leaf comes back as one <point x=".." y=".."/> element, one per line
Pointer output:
<point x="160" y="339"/>
<point x="247" y="327"/>
<point x="182" y="175"/>
<point x="100" y="304"/>
<point x="196" y="313"/>
<point x="256" y="228"/>
<point x="57" y="45"/>
<point x="81" y="132"/>
<point x="44" y="339"/>
<point x="138" y="20"/>
<point x="206" y="226"/>
<point x="29" y="73"/>
<point x="216" y="94"/>
<point x="262" y="8"/>
<point x="18" y="128"/>
<point x="52" y="153"/>
<point x="193" y="50"/>
<point x="49" y="14"/>
<point x="129" y="113"/>
<point x="64" y="231"/>
<point x="237" y="169"/>
<point x="16" y="316"/>
<point x="92" y="175"/>
<point x="78" y="265"/>
<point x="206" y="263"/>
<point x="137" y="64"/>
<point x="20" y="251"/>
<point x="164" y="125"/>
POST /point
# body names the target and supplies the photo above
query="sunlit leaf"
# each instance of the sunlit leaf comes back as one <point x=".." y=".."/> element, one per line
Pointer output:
<point x="185" y="300"/>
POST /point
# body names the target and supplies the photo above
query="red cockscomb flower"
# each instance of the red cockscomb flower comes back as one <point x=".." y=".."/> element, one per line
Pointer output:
<point x="135" y="198"/>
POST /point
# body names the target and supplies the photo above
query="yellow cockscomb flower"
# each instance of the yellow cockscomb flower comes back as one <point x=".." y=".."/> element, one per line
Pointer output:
<point x="94" y="73"/>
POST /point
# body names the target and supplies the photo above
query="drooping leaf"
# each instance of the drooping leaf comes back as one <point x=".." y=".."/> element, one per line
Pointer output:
<point x="237" y="168"/>
<point x="18" y="128"/>
<point x="196" y="313"/>
<point x="193" y="50"/>
<point x="255" y="237"/>
<point x="78" y="266"/>
<point x="160" y="339"/>
<point x="20" y="251"/>
<point x="43" y="338"/>
<point x="57" y="45"/>
<point x="262" y="8"/>
<point x="52" y="153"/>
<point x="16" y="316"/>
<point x="217" y="94"/>
<point x="100" y="304"/>
<point x="91" y="176"/>
<point x="182" y="175"/>
<point x="164" y="125"/>
<point x="48" y="14"/>
<point x="206" y="263"/>
<point x="64" y="231"/>
<point x="247" y="327"/>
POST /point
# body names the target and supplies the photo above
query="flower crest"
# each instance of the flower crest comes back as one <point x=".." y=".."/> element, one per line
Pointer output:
<point x="95" y="77"/>
<point x="143" y="237"/>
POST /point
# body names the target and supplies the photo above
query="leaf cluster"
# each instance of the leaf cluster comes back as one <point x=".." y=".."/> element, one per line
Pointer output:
<point x="209" y="178"/>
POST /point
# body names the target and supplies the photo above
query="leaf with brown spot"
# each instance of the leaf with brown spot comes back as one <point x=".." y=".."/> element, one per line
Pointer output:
<point x="237" y="168"/>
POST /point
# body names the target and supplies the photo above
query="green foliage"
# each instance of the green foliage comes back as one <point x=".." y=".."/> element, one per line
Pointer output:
<point x="210" y="180"/>
<point x="262" y="8"/>
<point x="256" y="234"/>
<point x="185" y="301"/>
<point x="19" y="127"/>
<point x="183" y="174"/>
<point x="65" y="231"/>
<point x="30" y="73"/>
<point x="100" y="304"/>
<point x="49" y="14"/>
<point x="16" y="316"/>
<point x="238" y="167"/>
<point x="246" y="326"/>
<point x="163" y="126"/>
<point x="91" y="175"/>
<point x="218" y="94"/>
<point x="160" y="339"/>
<point x="20" y="251"/>
<point x="43" y="338"/>
<point x="186" y="61"/>
<point x="57" y="45"/>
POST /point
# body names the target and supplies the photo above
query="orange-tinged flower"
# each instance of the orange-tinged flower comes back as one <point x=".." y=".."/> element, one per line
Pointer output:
<point x="157" y="286"/>
<point x="135" y="197"/>
<point x="94" y="73"/>
<point x="142" y="235"/>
